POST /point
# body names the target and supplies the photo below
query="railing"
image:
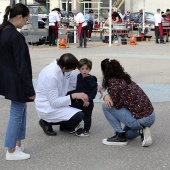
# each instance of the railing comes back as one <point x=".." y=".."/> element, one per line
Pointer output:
<point x="118" y="3"/>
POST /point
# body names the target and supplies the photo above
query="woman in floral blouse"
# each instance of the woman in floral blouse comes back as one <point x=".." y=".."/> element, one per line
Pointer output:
<point x="125" y="103"/>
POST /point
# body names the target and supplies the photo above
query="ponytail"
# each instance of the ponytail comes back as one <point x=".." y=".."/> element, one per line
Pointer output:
<point x="18" y="9"/>
<point x="6" y="16"/>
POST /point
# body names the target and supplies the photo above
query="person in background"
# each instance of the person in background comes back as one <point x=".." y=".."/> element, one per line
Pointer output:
<point x="53" y="103"/>
<point x="15" y="78"/>
<point x="54" y="23"/>
<point x="108" y="19"/>
<point x="140" y="20"/>
<point x="128" y="19"/>
<point x="82" y="27"/>
<point x="116" y="17"/>
<point x="158" y="27"/>
<point x="125" y="103"/>
<point x="128" y="16"/>
<point x="120" y="14"/>
<point x="87" y="84"/>
<point x="90" y="22"/>
<point x="163" y="14"/>
<point x="167" y="12"/>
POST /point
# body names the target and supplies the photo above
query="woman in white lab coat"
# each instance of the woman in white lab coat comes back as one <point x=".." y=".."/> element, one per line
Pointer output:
<point x="52" y="102"/>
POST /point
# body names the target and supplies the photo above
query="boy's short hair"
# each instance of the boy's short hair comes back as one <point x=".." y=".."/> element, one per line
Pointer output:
<point x="85" y="61"/>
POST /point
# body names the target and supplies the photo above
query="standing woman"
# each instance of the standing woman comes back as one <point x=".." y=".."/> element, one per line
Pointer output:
<point x="16" y="78"/>
<point x="125" y="103"/>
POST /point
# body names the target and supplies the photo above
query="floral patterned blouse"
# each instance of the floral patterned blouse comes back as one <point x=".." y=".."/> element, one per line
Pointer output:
<point x="131" y="97"/>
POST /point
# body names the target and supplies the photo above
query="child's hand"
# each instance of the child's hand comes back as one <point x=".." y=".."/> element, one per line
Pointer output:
<point x="86" y="104"/>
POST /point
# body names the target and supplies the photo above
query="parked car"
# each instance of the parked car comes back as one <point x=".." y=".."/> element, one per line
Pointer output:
<point x="41" y="24"/>
<point x="42" y="12"/>
<point x="149" y="19"/>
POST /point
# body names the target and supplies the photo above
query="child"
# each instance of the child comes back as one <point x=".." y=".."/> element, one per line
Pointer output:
<point x="88" y="84"/>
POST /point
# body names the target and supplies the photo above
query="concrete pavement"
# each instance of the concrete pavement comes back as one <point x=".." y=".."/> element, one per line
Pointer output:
<point x="148" y="65"/>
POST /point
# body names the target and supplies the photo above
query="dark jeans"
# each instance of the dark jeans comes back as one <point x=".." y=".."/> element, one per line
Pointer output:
<point x="72" y="123"/>
<point x="90" y="27"/>
<point x="87" y="112"/>
<point x="52" y="35"/>
<point x="158" y="34"/>
<point x="83" y="36"/>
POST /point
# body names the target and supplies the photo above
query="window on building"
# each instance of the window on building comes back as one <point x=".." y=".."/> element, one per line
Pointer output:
<point x="65" y="5"/>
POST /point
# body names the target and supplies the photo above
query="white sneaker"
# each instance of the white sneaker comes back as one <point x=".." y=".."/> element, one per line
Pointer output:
<point x="17" y="155"/>
<point x="19" y="148"/>
<point x="147" y="139"/>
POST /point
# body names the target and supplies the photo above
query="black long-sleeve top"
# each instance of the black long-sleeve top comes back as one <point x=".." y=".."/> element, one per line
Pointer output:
<point x="88" y="85"/>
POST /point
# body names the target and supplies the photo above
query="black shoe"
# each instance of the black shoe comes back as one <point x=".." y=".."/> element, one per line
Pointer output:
<point x="85" y="46"/>
<point x="82" y="133"/>
<point x="79" y="46"/>
<point x="48" y="130"/>
<point x="162" y="42"/>
<point x="157" y="42"/>
<point x="118" y="139"/>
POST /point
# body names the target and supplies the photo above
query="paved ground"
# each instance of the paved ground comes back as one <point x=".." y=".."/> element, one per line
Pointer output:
<point x="148" y="64"/>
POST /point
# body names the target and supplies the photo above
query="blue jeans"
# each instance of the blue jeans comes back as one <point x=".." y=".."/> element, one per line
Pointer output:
<point x="17" y="124"/>
<point x="132" y="125"/>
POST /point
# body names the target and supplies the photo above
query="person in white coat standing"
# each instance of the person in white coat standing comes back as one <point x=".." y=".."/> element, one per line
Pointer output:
<point x="53" y="105"/>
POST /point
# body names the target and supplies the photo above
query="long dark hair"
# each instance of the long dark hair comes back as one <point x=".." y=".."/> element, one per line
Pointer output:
<point x="68" y="60"/>
<point x="113" y="69"/>
<point x="18" y="9"/>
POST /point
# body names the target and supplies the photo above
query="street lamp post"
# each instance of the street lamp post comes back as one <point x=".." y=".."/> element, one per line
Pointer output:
<point x="110" y="23"/>
<point x="67" y="8"/>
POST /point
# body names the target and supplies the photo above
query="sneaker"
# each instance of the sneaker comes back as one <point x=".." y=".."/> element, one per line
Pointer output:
<point x="146" y="137"/>
<point x="89" y="39"/>
<point x="82" y="133"/>
<point x="75" y="129"/>
<point x="16" y="155"/>
<point x="117" y="139"/>
<point x="19" y="148"/>
<point x="79" y="46"/>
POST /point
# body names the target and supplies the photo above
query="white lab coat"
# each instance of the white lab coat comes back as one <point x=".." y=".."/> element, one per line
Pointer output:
<point x="158" y="19"/>
<point x="53" y="17"/>
<point x="52" y="104"/>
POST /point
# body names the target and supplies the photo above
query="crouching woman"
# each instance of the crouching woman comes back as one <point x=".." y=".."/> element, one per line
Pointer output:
<point x="125" y="103"/>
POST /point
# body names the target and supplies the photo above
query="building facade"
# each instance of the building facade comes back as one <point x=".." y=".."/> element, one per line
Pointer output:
<point x="132" y="5"/>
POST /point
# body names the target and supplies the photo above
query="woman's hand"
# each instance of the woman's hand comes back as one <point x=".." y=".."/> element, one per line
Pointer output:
<point x="108" y="101"/>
